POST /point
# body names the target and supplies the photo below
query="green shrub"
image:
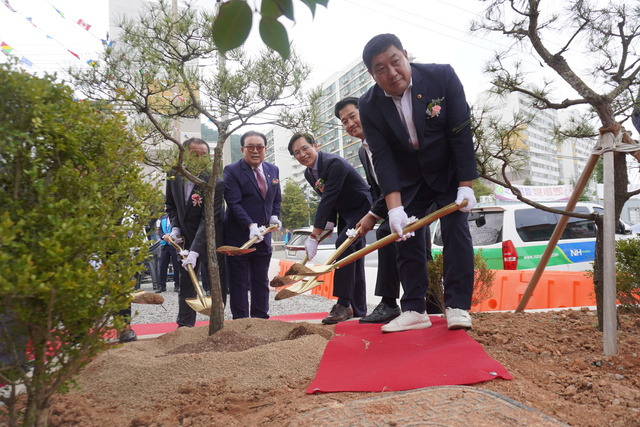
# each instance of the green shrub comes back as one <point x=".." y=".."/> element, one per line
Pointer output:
<point x="628" y="273"/>
<point x="483" y="280"/>
<point x="71" y="198"/>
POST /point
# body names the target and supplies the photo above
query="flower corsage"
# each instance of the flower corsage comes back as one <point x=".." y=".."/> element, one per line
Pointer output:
<point x="319" y="185"/>
<point x="434" y="107"/>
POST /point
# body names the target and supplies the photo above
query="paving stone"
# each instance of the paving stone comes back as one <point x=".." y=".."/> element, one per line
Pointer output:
<point x="432" y="406"/>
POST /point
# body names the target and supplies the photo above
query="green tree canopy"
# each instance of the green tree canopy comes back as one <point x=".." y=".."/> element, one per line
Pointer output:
<point x="295" y="207"/>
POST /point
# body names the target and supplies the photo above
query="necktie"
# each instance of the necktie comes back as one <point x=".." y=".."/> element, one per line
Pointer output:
<point x="262" y="184"/>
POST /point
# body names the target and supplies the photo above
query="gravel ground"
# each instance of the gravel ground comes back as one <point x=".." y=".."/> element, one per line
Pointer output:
<point x="167" y="312"/>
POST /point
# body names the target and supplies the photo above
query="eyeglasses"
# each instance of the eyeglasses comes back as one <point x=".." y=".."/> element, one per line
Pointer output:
<point x="256" y="148"/>
<point x="303" y="149"/>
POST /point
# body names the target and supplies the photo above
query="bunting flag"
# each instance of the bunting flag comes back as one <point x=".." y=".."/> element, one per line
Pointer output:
<point x="57" y="10"/>
<point x="26" y="61"/>
<point x="92" y="63"/>
<point x="6" y="3"/>
<point x="84" y="24"/>
<point x="107" y="43"/>
<point x="30" y="19"/>
<point x="74" y="54"/>
<point x="6" y="49"/>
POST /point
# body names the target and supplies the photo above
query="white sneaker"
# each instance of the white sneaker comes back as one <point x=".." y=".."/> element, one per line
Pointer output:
<point x="458" y="318"/>
<point x="407" y="321"/>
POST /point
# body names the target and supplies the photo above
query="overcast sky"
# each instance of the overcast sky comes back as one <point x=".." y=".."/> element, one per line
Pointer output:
<point x="431" y="30"/>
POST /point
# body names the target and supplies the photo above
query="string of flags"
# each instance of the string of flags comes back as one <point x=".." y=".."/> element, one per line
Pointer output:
<point x="7" y="50"/>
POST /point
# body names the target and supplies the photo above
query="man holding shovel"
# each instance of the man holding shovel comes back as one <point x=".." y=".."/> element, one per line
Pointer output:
<point x="387" y="280"/>
<point x="417" y="123"/>
<point x="344" y="195"/>
<point x="253" y="200"/>
<point x="185" y="208"/>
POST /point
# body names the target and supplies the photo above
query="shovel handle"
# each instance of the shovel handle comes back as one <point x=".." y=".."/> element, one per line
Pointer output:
<point x="190" y="270"/>
<point x="451" y="207"/>
<point x="343" y="247"/>
<point x="254" y="239"/>
<point x="322" y="236"/>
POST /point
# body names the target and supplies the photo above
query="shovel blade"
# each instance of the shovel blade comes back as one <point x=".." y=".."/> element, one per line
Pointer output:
<point x="233" y="251"/>
<point x="196" y="304"/>
<point x="306" y="270"/>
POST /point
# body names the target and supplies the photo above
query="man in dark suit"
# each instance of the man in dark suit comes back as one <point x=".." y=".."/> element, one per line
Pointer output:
<point x="253" y="200"/>
<point x="417" y="123"/>
<point x="387" y="280"/>
<point x="343" y="194"/>
<point x="185" y="207"/>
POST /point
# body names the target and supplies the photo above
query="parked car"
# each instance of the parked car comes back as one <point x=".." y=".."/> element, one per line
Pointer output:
<point x="295" y="250"/>
<point x="514" y="236"/>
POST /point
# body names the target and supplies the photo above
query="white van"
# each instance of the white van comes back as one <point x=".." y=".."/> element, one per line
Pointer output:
<point x="514" y="236"/>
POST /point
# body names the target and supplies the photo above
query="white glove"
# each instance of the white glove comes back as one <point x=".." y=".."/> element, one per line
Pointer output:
<point x="254" y="231"/>
<point x="311" y="246"/>
<point x="190" y="259"/>
<point x="175" y="235"/>
<point x="397" y="221"/>
<point x="466" y="193"/>
<point x="274" y="220"/>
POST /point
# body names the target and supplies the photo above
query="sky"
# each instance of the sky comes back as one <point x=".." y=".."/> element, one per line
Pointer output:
<point x="431" y="30"/>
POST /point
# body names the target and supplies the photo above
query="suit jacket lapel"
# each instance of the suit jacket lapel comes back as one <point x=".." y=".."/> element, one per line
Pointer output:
<point x="390" y="112"/>
<point x="419" y="100"/>
<point x="267" y="178"/>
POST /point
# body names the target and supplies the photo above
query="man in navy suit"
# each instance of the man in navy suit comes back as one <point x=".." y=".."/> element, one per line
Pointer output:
<point x="343" y="195"/>
<point x="253" y="200"/>
<point x="417" y="123"/>
<point x="387" y="280"/>
<point x="185" y="207"/>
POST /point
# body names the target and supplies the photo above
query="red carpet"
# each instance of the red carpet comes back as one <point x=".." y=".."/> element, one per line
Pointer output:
<point x="163" y="328"/>
<point x="361" y="358"/>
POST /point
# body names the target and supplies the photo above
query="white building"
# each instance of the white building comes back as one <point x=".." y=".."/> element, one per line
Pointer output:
<point x="548" y="161"/>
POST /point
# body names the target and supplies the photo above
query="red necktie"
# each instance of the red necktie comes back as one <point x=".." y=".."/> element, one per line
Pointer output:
<point x="262" y="184"/>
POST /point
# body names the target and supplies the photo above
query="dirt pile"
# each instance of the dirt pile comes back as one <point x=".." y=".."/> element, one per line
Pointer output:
<point x="256" y="371"/>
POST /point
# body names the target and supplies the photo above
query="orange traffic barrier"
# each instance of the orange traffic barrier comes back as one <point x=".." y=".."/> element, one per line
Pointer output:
<point x="556" y="289"/>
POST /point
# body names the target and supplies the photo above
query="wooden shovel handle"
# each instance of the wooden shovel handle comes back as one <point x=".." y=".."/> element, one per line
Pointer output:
<point x="343" y="247"/>
<point x="323" y="235"/>
<point x="190" y="270"/>
<point x="254" y="239"/>
<point x="451" y="207"/>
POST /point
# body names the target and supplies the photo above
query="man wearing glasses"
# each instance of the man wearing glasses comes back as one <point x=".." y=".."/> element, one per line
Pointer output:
<point x="344" y="199"/>
<point x="252" y="193"/>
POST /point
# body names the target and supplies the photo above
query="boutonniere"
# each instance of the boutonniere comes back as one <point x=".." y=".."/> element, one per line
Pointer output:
<point x="196" y="199"/>
<point x="275" y="181"/>
<point x="319" y="185"/>
<point x="434" y="107"/>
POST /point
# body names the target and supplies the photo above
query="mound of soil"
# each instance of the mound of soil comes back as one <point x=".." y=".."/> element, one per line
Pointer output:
<point x="256" y="371"/>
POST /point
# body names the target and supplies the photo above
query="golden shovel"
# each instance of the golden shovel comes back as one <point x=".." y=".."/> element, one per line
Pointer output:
<point x="318" y="270"/>
<point x="246" y="248"/>
<point x="279" y="281"/>
<point x="305" y="284"/>
<point x="202" y="304"/>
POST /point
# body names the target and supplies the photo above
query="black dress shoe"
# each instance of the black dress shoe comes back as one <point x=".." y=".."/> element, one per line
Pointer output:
<point x="337" y="314"/>
<point x="381" y="314"/>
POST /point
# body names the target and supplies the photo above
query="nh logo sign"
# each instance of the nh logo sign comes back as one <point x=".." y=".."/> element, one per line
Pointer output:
<point x="576" y="252"/>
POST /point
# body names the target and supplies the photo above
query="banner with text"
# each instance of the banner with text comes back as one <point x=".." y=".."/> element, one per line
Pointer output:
<point x="538" y="193"/>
